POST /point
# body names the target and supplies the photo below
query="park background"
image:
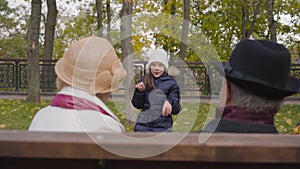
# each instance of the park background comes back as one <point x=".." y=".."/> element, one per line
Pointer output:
<point x="53" y="25"/>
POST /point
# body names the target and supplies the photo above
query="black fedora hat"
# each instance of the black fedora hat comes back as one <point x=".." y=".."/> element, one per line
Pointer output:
<point x="263" y="68"/>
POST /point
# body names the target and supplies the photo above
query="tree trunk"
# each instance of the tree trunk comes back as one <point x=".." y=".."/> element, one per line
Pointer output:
<point x="127" y="50"/>
<point x="108" y="13"/>
<point x="244" y="20"/>
<point x="173" y="12"/>
<point x="185" y="29"/>
<point x="272" y="23"/>
<point x="33" y="52"/>
<point x="50" y="29"/>
<point x="99" y="8"/>
<point x="245" y="17"/>
<point x="257" y="9"/>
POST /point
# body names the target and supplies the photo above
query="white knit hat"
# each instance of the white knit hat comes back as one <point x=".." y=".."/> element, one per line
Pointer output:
<point x="158" y="55"/>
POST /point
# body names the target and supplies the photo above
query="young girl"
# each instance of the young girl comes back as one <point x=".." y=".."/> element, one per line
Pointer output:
<point x="157" y="94"/>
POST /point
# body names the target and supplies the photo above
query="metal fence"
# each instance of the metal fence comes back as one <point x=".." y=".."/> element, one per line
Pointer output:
<point x="13" y="75"/>
<point x="193" y="76"/>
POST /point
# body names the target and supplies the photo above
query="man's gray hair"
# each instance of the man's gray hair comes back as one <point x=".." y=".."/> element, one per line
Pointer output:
<point x="241" y="97"/>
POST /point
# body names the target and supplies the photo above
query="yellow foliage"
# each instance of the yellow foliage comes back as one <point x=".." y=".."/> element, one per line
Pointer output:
<point x="296" y="130"/>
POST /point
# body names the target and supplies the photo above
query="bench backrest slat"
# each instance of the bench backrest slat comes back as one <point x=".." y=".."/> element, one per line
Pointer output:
<point x="250" y="148"/>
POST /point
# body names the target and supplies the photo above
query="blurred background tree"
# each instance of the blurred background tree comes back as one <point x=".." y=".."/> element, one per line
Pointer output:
<point x="223" y="22"/>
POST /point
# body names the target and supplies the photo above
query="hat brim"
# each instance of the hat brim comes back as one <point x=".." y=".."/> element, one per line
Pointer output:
<point x="257" y="86"/>
<point x="64" y="74"/>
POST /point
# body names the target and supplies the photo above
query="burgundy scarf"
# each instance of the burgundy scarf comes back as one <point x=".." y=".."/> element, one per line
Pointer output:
<point x="234" y="113"/>
<point x="77" y="103"/>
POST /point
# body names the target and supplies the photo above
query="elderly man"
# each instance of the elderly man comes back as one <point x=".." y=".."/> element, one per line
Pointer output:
<point x="257" y="81"/>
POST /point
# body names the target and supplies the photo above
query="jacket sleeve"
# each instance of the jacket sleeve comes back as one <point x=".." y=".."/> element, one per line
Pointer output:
<point x="138" y="99"/>
<point x="174" y="99"/>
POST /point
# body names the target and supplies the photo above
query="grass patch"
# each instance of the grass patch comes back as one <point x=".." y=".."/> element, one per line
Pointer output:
<point x="17" y="115"/>
<point x="287" y="118"/>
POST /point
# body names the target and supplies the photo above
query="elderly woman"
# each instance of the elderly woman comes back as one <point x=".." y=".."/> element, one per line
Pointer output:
<point x="87" y="73"/>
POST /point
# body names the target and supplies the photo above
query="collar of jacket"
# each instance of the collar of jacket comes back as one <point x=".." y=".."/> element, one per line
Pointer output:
<point x="68" y="90"/>
<point x="234" y="113"/>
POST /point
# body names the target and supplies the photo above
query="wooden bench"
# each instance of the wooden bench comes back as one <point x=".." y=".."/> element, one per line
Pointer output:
<point x="39" y="150"/>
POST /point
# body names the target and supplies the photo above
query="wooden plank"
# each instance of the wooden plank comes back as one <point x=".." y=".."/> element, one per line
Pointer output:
<point x="37" y="163"/>
<point x="198" y="165"/>
<point x="219" y="148"/>
<point x="45" y="163"/>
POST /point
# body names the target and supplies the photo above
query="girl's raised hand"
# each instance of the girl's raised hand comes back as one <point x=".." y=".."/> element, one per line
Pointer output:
<point x="140" y="86"/>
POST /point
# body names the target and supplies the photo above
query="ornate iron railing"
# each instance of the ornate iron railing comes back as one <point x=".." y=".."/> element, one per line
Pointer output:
<point x="193" y="76"/>
<point x="13" y="75"/>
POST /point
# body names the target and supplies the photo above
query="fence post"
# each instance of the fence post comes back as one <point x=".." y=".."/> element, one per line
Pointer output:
<point x="208" y="85"/>
<point x="17" y="75"/>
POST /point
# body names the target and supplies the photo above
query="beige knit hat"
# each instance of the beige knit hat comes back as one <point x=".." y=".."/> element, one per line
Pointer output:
<point x="91" y="64"/>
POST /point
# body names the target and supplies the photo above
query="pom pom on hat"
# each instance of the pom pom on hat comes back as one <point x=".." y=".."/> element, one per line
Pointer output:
<point x="158" y="55"/>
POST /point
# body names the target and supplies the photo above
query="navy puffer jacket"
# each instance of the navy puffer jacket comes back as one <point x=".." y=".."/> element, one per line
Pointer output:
<point x="168" y="85"/>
